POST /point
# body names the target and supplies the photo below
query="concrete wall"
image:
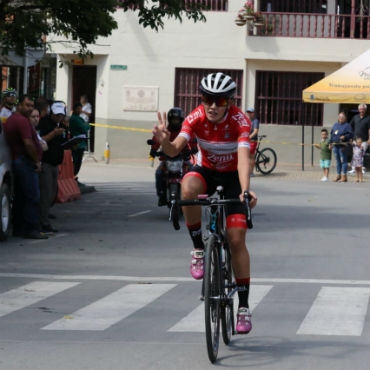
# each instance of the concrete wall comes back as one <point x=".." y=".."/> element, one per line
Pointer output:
<point x="151" y="58"/>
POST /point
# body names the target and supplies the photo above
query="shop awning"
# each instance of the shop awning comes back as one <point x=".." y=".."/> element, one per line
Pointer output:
<point x="349" y="84"/>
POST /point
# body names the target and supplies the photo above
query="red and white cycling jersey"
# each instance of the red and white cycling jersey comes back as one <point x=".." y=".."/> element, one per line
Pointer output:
<point x="218" y="142"/>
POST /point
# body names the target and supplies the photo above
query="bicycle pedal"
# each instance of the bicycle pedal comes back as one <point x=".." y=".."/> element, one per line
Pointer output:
<point x="201" y="298"/>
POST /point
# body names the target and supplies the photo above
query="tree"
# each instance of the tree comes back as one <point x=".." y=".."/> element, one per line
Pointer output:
<point x="27" y="23"/>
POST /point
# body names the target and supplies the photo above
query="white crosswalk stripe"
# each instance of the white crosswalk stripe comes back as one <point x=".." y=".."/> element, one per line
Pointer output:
<point x="337" y="311"/>
<point x="194" y="321"/>
<point x="111" y="309"/>
<point x="26" y="295"/>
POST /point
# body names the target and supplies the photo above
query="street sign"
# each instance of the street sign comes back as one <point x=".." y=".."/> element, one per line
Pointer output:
<point x="121" y="67"/>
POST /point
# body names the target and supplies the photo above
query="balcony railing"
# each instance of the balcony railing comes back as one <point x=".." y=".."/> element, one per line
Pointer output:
<point x="312" y="25"/>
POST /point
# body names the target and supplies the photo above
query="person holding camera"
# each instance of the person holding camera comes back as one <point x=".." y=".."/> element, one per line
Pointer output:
<point x="341" y="135"/>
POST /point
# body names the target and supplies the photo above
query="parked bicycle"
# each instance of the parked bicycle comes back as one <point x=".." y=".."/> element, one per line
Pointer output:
<point x="218" y="287"/>
<point x="265" y="159"/>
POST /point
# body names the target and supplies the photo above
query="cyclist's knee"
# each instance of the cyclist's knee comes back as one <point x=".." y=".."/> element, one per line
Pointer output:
<point x="236" y="238"/>
<point x="191" y="187"/>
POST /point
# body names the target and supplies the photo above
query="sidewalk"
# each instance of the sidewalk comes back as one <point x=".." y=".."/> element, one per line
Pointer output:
<point x="130" y="170"/>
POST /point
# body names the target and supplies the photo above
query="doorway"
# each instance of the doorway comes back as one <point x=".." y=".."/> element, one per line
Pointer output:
<point x="84" y="82"/>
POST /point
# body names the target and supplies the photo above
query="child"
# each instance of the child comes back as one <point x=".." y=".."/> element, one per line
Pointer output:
<point x="325" y="154"/>
<point x="358" y="158"/>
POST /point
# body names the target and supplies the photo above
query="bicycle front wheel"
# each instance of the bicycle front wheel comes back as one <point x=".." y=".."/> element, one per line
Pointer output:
<point x="227" y="308"/>
<point x="212" y="307"/>
<point x="266" y="161"/>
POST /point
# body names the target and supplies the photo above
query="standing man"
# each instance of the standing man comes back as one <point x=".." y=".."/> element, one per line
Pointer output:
<point x="255" y="125"/>
<point x="26" y="153"/>
<point x="361" y="126"/>
<point x="52" y="131"/>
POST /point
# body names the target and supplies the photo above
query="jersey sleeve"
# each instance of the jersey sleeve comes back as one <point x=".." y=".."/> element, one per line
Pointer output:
<point x="187" y="130"/>
<point x="244" y="129"/>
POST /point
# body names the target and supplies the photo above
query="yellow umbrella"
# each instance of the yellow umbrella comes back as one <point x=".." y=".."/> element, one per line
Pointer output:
<point x="349" y="84"/>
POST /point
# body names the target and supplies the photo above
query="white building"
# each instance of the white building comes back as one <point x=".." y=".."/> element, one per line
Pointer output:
<point x="138" y="71"/>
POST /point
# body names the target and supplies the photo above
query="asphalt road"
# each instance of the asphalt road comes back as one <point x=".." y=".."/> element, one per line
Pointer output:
<point x="112" y="289"/>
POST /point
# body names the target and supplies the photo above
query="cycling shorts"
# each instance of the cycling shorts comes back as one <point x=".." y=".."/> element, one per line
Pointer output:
<point x="253" y="147"/>
<point x="235" y="213"/>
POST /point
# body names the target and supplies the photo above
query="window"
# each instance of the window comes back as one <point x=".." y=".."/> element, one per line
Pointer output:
<point x="294" y="6"/>
<point x="214" y="5"/>
<point x="279" y="98"/>
<point x="187" y="81"/>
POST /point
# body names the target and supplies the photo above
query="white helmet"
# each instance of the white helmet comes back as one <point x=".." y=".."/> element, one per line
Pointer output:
<point x="218" y="84"/>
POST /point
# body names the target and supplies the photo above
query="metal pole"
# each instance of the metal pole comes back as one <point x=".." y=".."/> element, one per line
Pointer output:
<point x="312" y="141"/>
<point x="25" y="72"/>
<point x="302" y="143"/>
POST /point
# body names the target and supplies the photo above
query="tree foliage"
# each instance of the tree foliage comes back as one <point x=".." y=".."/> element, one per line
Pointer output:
<point x="27" y="23"/>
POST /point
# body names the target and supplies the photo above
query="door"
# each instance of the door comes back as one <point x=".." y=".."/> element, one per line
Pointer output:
<point x="84" y="82"/>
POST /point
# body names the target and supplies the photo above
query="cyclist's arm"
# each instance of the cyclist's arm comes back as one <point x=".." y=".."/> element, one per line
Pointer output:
<point x="244" y="168"/>
<point x="173" y="148"/>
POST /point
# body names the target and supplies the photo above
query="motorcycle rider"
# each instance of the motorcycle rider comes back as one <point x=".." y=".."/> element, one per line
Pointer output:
<point x="175" y="118"/>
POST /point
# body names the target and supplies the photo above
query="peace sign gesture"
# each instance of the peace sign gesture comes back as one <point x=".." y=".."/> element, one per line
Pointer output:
<point x="160" y="131"/>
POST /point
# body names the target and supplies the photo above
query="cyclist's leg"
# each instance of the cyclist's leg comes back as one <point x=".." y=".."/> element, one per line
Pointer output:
<point x="193" y="184"/>
<point x="236" y="226"/>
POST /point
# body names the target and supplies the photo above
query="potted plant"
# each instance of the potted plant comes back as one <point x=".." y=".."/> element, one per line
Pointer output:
<point x="249" y="10"/>
<point x="259" y="20"/>
<point x="241" y="19"/>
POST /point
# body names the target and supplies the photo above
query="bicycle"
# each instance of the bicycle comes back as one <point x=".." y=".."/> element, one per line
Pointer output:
<point x="265" y="158"/>
<point x="218" y="287"/>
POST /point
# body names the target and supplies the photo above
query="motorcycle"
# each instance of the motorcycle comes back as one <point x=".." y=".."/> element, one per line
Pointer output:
<point x="174" y="169"/>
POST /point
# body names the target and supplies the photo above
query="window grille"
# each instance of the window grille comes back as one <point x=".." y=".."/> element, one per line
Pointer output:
<point x="187" y="81"/>
<point x="279" y="98"/>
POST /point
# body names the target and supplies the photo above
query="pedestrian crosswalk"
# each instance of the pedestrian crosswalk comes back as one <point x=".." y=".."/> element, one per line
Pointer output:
<point x="335" y="310"/>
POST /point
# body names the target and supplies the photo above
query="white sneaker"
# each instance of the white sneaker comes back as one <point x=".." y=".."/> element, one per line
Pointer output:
<point x="324" y="179"/>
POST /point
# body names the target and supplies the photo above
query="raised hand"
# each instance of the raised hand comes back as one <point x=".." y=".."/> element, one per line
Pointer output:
<point x="160" y="131"/>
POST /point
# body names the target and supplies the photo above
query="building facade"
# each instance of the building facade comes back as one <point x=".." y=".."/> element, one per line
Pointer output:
<point x="137" y="72"/>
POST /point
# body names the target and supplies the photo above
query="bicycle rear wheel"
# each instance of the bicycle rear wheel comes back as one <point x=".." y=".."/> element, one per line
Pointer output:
<point x="212" y="307"/>
<point x="266" y="161"/>
<point x="227" y="308"/>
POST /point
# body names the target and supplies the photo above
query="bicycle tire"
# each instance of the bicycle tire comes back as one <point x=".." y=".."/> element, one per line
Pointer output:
<point x="212" y="285"/>
<point x="266" y="161"/>
<point x="227" y="309"/>
<point x="175" y="210"/>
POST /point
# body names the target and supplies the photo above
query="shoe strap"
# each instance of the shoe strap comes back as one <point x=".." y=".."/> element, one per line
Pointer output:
<point x="197" y="253"/>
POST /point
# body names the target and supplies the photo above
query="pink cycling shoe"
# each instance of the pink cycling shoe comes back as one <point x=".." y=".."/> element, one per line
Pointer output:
<point x="243" y="321"/>
<point x="197" y="264"/>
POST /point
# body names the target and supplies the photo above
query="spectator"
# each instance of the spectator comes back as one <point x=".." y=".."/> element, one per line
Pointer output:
<point x="52" y="131"/>
<point x="360" y="124"/>
<point x="325" y="154"/>
<point x="35" y="119"/>
<point x="77" y="127"/>
<point x="253" y="137"/>
<point x="8" y="101"/>
<point x="86" y="110"/>
<point x="341" y="134"/>
<point x="26" y="153"/>
<point x="358" y="158"/>
<point x="43" y="106"/>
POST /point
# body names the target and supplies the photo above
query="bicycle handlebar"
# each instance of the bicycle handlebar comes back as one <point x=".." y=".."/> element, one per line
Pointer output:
<point x="220" y="202"/>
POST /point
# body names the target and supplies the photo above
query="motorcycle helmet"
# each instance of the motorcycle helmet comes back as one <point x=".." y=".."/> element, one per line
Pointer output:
<point x="175" y="118"/>
<point x="218" y="85"/>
